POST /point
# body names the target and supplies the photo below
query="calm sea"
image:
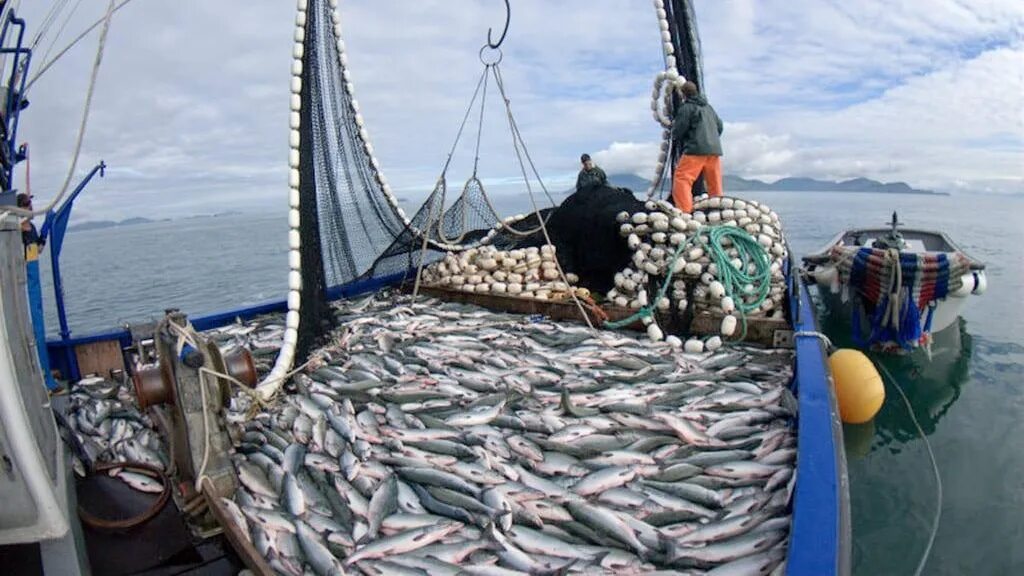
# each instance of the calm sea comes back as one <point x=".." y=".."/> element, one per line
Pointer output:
<point x="969" y="397"/>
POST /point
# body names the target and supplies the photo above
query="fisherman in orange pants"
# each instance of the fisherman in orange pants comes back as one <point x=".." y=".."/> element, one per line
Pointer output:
<point x="696" y="130"/>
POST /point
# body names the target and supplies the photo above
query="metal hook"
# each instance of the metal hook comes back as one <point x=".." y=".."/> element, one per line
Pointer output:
<point x="508" y="17"/>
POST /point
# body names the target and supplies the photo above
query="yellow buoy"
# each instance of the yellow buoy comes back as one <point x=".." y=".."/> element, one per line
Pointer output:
<point x="859" y="388"/>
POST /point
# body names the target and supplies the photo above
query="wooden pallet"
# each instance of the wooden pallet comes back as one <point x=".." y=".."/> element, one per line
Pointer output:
<point x="769" y="332"/>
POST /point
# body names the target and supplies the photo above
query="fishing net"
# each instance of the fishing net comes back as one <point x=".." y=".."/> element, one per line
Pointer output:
<point x="354" y="221"/>
<point x="683" y="28"/>
<point x="586" y="234"/>
<point x="352" y="227"/>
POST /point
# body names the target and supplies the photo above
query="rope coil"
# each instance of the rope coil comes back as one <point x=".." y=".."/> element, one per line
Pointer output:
<point x="733" y="279"/>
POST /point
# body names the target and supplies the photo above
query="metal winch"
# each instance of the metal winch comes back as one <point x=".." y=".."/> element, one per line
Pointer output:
<point x="186" y="391"/>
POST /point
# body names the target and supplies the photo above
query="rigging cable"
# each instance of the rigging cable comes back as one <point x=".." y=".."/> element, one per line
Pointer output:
<point x="85" y="119"/>
<point x="60" y="31"/>
<point x="516" y="141"/>
<point x="51" y="16"/>
<point x="59" y="55"/>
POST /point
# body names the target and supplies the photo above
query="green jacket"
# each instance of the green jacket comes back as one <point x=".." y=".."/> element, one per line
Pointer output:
<point x="697" y="127"/>
<point x="593" y="177"/>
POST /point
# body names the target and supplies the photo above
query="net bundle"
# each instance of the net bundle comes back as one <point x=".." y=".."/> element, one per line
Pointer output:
<point x="352" y="226"/>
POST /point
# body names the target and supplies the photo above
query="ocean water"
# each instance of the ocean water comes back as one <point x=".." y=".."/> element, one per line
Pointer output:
<point x="969" y="397"/>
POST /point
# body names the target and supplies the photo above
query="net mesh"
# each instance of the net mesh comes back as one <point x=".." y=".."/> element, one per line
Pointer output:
<point x="356" y="222"/>
<point x="686" y="42"/>
<point x="351" y="228"/>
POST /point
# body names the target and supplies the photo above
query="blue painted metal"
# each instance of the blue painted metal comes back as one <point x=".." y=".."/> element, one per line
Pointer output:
<point x="819" y="541"/>
<point x="211" y="321"/>
<point x="349" y="290"/>
<point x="109" y="336"/>
<point x="54" y="227"/>
<point x="360" y="287"/>
<point x="35" y="306"/>
<point x="63" y="350"/>
<point x="16" y="89"/>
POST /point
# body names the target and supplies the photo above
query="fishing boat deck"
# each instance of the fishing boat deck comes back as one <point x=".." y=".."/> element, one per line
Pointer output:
<point x="565" y="427"/>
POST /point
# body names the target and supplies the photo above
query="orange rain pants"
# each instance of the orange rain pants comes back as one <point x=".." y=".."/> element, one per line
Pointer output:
<point x="687" y="171"/>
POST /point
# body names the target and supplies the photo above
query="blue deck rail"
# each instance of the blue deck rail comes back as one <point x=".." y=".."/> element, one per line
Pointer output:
<point x="63" y="351"/>
<point x="820" y="537"/>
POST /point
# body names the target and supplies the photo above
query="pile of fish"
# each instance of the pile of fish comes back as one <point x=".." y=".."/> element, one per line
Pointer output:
<point x="103" y="424"/>
<point x="664" y="238"/>
<point x="444" y="439"/>
<point x="525" y="273"/>
<point x="261" y="336"/>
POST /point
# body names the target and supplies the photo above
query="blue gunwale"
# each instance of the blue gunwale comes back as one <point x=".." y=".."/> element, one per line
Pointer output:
<point x="57" y="347"/>
<point x="819" y="540"/>
<point x="820" y="534"/>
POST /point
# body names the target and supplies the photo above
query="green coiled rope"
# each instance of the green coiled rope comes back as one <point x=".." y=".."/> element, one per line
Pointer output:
<point x="734" y="280"/>
<point x="648" y="311"/>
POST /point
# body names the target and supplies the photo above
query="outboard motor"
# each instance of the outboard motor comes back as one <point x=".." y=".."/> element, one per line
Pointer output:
<point x="894" y="239"/>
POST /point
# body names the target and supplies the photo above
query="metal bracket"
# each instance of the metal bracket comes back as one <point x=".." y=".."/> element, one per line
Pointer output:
<point x="783" y="339"/>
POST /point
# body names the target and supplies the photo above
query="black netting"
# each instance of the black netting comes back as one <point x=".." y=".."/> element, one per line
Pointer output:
<point x="683" y="28"/>
<point x="350" y="230"/>
<point x="316" y="316"/>
<point x="355" y="220"/>
<point x="586" y="234"/>
<point x="466" y="222"/>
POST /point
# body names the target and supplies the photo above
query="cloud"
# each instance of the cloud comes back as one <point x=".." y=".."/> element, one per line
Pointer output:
<point x="753" y="152"/>
<point x="956" y="127"/>
<point x="629" y="158"/>
<point x="191" y="109"/>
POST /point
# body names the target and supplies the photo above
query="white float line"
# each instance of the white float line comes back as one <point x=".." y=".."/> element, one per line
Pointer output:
<point x="665" y="84"/>
<point x="286" y="357"/>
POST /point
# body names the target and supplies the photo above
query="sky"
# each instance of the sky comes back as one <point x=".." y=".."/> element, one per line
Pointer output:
<point x="190" y="111"/>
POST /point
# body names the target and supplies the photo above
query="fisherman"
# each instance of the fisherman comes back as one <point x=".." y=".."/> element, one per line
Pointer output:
<point x="696" y="132"/>
<point x="33" y="243"/>
<point x="29" y="235"/>
<point x="590" y="175"/>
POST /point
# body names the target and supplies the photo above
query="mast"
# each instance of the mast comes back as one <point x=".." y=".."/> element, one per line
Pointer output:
<point x="683" y="27"/>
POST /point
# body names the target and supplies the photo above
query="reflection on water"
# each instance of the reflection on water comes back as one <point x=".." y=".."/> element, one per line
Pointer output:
<point x="931" y="380"/>
<point x="932" y="385"/>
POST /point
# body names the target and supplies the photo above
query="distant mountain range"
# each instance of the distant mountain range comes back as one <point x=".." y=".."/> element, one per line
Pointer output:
<point x="98" y="224"/>
<point x="813" y="185"/>
<point x="738" y="184"/>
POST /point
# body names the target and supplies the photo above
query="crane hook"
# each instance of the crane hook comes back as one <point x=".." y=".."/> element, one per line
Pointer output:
<point x="508" y="17"/>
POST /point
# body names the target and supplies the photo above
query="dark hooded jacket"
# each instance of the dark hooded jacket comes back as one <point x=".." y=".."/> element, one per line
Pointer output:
<point x="593" y="177"/>
<point x="697" y="127"/>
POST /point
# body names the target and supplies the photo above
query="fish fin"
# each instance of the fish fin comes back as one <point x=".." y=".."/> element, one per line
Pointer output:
<point x="670" y="547"/>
